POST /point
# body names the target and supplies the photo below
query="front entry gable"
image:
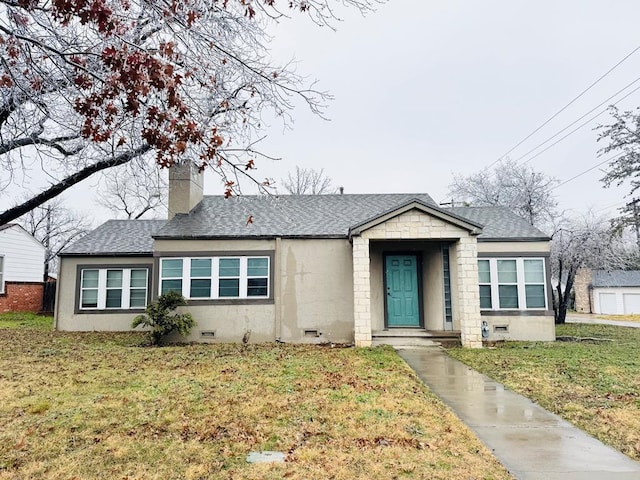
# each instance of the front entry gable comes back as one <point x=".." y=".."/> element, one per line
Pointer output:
<point x="416" y="219"/>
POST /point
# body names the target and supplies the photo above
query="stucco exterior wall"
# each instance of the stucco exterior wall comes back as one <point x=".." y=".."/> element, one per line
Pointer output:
<point x="513" y="247"/>
<point x="312" y="293"/>
<point x="316" y="291"/>
<point x="520" y="327"/>
<point x="65" y="317"/>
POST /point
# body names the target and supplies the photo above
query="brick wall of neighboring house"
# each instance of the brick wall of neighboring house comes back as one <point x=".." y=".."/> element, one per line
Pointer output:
<point x="581" y="287"/>
<point x="21" y="297"/>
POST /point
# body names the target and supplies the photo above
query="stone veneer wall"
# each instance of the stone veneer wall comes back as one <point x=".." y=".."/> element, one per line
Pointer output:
<point x="416" y="225"/>
<point x="581" y="286"/>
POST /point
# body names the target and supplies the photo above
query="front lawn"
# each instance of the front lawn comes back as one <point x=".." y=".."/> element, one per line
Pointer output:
<point x="106" y="405"/>
<point x="593" y="384"/>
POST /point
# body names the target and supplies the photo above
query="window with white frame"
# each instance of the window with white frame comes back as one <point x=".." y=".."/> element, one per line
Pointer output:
<point x="209" y="278"/>
<point x="512" y="283"/>
<point x="1" y="274"/>
<point x="113" y="288"/>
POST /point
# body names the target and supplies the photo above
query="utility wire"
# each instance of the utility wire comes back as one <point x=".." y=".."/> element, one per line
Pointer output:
<point x="577" y="120"/>
<point x="565" y="107"/>
<point x="586" y="171"/>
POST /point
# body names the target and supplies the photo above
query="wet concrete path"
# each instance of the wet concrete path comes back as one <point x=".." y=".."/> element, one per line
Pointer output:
<point x="531" y="442"/>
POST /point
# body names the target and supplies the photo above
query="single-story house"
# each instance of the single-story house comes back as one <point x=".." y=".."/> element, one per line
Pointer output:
<point x="611" y="292"/>
<point x="315" y="268"/>
<point x="21" y="270"/>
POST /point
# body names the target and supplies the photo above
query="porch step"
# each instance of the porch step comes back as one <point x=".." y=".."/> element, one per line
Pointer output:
<point x="401" y="337"/>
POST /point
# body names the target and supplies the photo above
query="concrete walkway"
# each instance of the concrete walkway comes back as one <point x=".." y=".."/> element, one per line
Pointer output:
<point x="601" y="321"/>
<point x="529" y="441"/>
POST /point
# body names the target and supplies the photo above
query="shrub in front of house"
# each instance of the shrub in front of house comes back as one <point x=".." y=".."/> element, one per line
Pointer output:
<point x="158" y="316"/>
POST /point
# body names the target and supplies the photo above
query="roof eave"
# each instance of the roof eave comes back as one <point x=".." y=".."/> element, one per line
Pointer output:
<point x="469" y="225"/>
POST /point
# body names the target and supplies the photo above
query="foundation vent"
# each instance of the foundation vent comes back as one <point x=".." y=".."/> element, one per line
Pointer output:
<point x="501" y="328"/>
<point x="207" y="334"/>
<point x="311" y="333"/>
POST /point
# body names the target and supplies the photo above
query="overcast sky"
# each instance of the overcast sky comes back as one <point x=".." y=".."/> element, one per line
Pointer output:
<point x="426" y="89"/>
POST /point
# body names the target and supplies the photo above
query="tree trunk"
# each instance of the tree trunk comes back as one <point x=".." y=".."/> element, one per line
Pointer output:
<point x="56" y="189"/>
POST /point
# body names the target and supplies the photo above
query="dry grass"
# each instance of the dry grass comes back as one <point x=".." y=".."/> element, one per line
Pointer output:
<point x="620" y="318"/>
<point x="102" y="406"/>
<point x="594" y="385"/>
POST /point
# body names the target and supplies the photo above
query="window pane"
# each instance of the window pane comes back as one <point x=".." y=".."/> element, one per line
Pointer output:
<point x="114" y="299"/>
<point x="138" y="278"/>
<point x="484" y="274"/>
<point x="89" y="299"/>
<point x="114" y="278"/>
<point x="201" y="267"/>
<point x="172" y="267"/>
<point x="229" y="267"/>
<point x="535" y="296"/>
<point x="533" y="271"/>
<point x="138" y="298"/>
<point x="257" y="287"/>
<point x="175" y="285"/>
<point x="229" y="287"/>
<point x="200" y="289"/>
<point x="90" y="279"/>
<point x="485" y="296"/>
<point x="507" y="271"/>
<point x="258" y="267"/>
<point x="508" y="296"/>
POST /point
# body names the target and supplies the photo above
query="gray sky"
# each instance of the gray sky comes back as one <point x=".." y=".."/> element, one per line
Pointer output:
<point x="424" y="89"/>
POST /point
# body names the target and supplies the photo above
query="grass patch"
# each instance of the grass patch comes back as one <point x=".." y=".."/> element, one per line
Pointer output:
<point x="105" y="405"/>
<point x="594" y="385"/>
<point x="26" y="320"/>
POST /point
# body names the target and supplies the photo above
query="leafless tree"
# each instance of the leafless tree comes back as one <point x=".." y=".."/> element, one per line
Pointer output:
<point x="136" y="189"/>
<point x="55" y="226"/>
<point x="585" y="241"/>
<point x="90" y="85"/>
<point x="307" y="181"/>
<point x="525" y="191"/>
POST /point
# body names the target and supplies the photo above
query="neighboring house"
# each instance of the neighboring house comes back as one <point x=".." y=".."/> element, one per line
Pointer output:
<point x="315" y="268"/>
<point x="611" y="292"/>
<point x="21" y="270"/>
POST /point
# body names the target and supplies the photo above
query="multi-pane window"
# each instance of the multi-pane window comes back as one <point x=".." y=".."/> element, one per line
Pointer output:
<point x="507" y="284"/>
<point x="171" y="273"/>
<point x="512" y="283"/>
<point x="534" y="283"/>
<point x="216" y="277"/>
<point x="484" y="279"/>
<point x="113" y="288"/>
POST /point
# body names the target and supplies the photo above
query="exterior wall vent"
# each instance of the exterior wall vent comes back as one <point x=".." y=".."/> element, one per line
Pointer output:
<point x="207" y="334"/>
<point x="501" y="328"/>
<point x="311" y="333"/>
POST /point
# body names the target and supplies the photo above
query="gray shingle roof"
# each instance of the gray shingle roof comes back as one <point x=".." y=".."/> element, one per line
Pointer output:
<point x="615" y="278"/>
<point x="122" y="237"/>
<point x="286" y="215"/>
<point x="500" y="223"/>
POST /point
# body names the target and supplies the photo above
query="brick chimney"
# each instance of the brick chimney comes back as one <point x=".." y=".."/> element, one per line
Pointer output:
<point x="185" y="188"/>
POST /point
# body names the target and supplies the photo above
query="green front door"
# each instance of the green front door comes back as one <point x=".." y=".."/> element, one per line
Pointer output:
<point x="401" y="282"/>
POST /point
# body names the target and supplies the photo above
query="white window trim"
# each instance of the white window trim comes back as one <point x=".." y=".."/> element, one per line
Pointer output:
<point x="215" y="277"/>
<point x="522" y="297"/>
<point x="2" y="269"/>
<point x="125" y="299"/>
